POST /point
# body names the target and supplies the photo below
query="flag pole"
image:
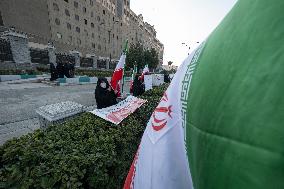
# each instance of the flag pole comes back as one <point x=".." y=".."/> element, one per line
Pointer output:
<point x="124" y="51"/>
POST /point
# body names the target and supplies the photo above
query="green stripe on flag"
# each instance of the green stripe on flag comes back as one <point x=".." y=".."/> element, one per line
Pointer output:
<point x="234" y="131"/>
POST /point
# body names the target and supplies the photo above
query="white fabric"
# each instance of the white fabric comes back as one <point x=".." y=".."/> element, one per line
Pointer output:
<point x="116" y="113"/>
<point x="120" y="64"/>
<point x="146" y="69"/>
<point x="148" y="82"/>
<point x="162" y="161"/>
<point x="158" y="79"/>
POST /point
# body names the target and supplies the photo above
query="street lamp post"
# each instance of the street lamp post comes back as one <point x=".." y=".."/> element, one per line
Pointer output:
<point x="109" y="30"/>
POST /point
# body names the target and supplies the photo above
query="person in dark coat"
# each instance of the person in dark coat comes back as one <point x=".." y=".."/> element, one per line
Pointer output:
<point x="72" y="69"/>
<point x="167" y="78"/>
<point x="53" y="72"/>
<point x="104" y="94"/>
<point x="138" y="86"/>
<point x="67" y="69"/>
<point x="60" y="69"/>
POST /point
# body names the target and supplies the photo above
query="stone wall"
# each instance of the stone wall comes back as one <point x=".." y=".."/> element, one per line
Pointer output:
<point x="19" y="48"/>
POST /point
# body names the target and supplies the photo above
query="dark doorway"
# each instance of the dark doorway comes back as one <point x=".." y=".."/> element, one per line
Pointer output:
<point x="1" y="20"/>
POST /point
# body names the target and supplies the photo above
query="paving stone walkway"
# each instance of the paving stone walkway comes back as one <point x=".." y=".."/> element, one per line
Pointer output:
<point x="18" y="103"/>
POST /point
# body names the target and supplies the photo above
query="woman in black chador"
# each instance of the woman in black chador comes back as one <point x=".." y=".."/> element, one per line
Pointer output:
<point x="138" y="86"/>
<point x="104" y="94"/>
<point x="53" y="72"/>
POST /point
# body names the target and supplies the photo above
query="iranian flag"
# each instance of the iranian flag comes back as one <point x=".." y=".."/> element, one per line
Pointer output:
<point x="134" y="71"/>
<point x="117" y="76"/>
<point x="219" y="125"/>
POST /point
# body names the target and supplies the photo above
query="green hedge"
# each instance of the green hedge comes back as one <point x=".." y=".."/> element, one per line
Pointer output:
<point x="87" y="152"/>
<point x="45" y="69"/>
<point x="97" y="73"/>
<point x="20" y="72"/>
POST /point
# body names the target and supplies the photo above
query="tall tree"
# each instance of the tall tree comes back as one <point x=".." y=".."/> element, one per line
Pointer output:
<point x="139" y="56"/>
<point x="135" y="56"/>
<point x="154" y="59"/>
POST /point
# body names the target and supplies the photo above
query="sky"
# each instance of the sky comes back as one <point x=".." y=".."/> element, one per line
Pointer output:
<point x="182" y="21"/>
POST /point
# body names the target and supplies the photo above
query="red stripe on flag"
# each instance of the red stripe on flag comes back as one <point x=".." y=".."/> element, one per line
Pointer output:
<point x="128" y="184"/>
<point x="116" y="77"/>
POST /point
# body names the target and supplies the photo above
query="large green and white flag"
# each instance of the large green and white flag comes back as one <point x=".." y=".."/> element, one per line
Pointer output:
<point x="220" y="123"/>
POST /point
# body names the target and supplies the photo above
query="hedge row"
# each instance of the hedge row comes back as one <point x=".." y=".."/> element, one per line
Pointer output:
<point x="97" y="73"/>
<point x="43" y="69"/>
<point x="86" y="152"/>
<point x="20" y="72"/>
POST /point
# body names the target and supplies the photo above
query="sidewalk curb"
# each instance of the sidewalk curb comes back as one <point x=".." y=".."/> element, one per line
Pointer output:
<point x="17" y="77"/>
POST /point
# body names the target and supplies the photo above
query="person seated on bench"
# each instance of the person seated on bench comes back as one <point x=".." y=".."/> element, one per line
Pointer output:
<point x="104" y="94"/>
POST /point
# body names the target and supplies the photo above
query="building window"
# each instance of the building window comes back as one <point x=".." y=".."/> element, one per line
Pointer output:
<point x="59" y="36"/>
<point x="92" y="25"/>
<point x="98" y="18"/>
<point x="84" y="9"/>
<point x="68" y="26"/>
<point x="92" y="14"/>
<point x="76" y="17"/>
<point x="99" y="47"/>
<point x="99" y="37"/>
<point x="76" y="5"/>
<point x="86" y="22"/>
<point x="55" y="7"/>
<point x="91" y="2"/>
<point x="113" y="35"/>
<point x="109" y="36"/>
<point x="112" y="18"/>
<point x="1" y="20"/>
<point x="78" y="29"/>
<point x="93" y="35"/>
<point x="104" y="12"/>
<point x="67" y="12"/>
<point x="117" y="37"/>
<point x="79" y="42"/>
<point x="94" y="45"/>
<point x="120" y="24"/>
<point x="70" y="39"/>
<point x="66" y="1"/>
<point x="57" y="21"/>
<point x="86" y="32"/>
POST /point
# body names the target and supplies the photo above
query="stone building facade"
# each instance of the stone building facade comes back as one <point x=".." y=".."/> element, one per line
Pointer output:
<point x="92" y="27"/>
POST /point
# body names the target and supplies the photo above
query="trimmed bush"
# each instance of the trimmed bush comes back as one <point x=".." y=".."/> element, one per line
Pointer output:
<point x="87" y="152"/>
<point x="97" y="73"/>
<point x="40" y="69"/>
<point x="20" y="72"/>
